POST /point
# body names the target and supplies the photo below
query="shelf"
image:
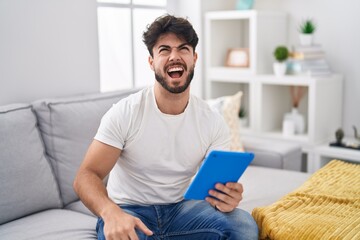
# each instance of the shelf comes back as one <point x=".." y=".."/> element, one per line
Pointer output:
<point x="242" y="75"/>
<point x="249" y="29"/>
<point x="267" y="97"/>
<point x="293" y="79"/>
<point x="244" y="14"/>
<point x="324" y="154"/>
<point x="230" y="74"/>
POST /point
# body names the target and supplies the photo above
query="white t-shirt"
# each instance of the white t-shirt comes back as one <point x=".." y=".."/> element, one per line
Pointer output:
<point x="160" y="152"/>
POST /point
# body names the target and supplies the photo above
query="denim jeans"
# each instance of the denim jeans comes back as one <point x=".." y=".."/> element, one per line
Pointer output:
<point x="190" y="219"/>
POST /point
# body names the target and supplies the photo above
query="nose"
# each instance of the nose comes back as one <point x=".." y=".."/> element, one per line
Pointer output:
<point x="174" y="55"/>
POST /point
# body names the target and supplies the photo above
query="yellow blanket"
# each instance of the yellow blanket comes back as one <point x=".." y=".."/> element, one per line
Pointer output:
<point x="326" y="206"/>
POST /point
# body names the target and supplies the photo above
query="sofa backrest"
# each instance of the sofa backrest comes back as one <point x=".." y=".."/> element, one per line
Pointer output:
<point x="68" y="126"/>
<point x="27" y="182"/>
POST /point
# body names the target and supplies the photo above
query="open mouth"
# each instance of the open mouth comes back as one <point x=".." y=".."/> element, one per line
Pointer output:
<point x="175" y="71"/>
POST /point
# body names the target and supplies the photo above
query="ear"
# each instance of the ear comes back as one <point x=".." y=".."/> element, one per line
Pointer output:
<point x="151" y="62"/>
<point x="195" y="57"/>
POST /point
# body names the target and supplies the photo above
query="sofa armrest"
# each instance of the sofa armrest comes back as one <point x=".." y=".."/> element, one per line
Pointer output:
<point x="274" y="153"/>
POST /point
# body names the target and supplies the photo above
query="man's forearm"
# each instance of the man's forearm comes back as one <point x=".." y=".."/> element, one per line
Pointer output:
<point x="92" y="193"/>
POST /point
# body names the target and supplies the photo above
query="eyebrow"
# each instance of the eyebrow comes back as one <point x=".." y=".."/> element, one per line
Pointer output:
<point x="181" y="45"/>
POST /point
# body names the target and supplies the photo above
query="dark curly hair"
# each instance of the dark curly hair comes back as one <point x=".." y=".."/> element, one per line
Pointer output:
<point x="181" y="27"/>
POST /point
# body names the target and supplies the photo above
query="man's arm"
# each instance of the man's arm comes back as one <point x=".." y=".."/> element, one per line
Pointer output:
<point x="98" y="162"/>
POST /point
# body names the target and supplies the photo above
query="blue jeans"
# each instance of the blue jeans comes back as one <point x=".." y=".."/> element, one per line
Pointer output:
<point x="190" y="219"/>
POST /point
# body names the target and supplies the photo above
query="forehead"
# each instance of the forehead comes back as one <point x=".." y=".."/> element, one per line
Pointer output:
<point x="169" y="39"/>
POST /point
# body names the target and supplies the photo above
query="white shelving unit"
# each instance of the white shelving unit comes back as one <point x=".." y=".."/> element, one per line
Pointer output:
<point x="251" y="29"/>
<point x="324" y="154"/>
<point x="265" y="96"/>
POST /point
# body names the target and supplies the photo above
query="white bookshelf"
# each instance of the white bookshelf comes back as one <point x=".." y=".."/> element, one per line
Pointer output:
<point x="325" y="153"/>
<point x="265" y="96"/>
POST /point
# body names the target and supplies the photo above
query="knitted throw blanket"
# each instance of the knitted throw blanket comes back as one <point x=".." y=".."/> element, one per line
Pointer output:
<point x="326" y="206"/>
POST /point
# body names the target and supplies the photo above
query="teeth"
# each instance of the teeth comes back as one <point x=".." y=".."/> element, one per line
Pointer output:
<point x="175" y="69"/>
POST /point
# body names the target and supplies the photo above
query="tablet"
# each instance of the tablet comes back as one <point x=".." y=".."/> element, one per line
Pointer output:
<point x="218" y="167"/>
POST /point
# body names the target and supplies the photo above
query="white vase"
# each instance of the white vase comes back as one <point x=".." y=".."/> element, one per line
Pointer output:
<point x="279" y="68"/>
<point x="297" y="119"/>
<point x="288" y="127"/>
<point x="306" y="39"/>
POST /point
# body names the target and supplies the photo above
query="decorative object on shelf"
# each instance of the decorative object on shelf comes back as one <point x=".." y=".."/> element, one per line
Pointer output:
<point x="297" y="119"/>
<point x="244" y="4"/>
<point x="339" y="135"/>
<point x="308" y="60"/>
<point x="296" y="92"/>
<point x="237" y="57"/>
<point x="288" y="127"/>
<point x="356" y="133"/>
<point x="307" y="29"/>
<point x="281" y="54"/>
<point x="243" y="117"/>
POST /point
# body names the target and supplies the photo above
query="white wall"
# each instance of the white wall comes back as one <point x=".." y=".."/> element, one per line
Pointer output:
<point x="48" y="48"/>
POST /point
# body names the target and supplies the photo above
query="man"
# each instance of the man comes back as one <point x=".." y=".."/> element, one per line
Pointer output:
<point x="152" y="144"/>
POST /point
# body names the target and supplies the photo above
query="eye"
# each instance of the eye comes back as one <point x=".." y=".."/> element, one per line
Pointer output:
<point x="184" y="49"/>
<point x="164" y="50"/>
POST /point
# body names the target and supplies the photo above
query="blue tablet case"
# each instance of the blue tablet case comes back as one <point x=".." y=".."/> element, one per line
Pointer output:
<point x="218" y="167"/>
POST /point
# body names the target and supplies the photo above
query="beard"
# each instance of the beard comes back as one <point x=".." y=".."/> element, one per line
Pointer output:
<point x="177" y="89"/>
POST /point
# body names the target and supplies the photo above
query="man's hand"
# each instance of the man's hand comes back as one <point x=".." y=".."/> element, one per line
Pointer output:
<point x="120" y="225"/>
<point x="227" y="197"/>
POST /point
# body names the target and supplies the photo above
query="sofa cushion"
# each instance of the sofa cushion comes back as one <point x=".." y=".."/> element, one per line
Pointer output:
<point x="68" y="126"/>
<point x="27" y="183"/>
<point x="51" y="225"/>
<point x="263" y="186"/>
<point x="78" y="206"/>
<point x="229" y="108"/>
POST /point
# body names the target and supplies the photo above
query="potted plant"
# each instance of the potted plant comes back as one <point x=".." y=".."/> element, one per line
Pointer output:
<point x="281" y="54"/>
<point x="243" y="117"/>
<point x="307" y="29"/>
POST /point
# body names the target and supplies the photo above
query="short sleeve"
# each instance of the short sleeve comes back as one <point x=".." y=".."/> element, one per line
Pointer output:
<point x="221" y="136"/>
<point x="114" y="125"/>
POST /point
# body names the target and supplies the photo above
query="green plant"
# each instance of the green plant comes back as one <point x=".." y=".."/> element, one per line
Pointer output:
<point x="307" y="26"/>
<point x="242" y="112"/>
<point x="281" y="53"/>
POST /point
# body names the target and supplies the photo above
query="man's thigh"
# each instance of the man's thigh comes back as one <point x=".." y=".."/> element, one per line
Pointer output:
<point x="199" y="218"/>
<point x="194" y="220"/>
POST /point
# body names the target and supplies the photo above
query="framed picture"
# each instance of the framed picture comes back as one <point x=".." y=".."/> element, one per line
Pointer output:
<point x="237" y="57"/>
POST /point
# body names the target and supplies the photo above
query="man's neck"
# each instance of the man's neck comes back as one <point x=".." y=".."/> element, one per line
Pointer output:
<point x="171" y="103"/>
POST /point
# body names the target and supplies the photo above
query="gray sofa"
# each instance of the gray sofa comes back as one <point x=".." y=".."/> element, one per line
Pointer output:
<point x="43" y="143"/>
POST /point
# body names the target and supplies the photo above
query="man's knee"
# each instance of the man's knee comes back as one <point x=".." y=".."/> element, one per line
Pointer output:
<point x="239" y="224"/>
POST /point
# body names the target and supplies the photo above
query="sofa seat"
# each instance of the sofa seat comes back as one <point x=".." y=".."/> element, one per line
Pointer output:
<point x="51" y="224"/>
<point x="78" y="206"/>
<point x="263" y="186"/>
